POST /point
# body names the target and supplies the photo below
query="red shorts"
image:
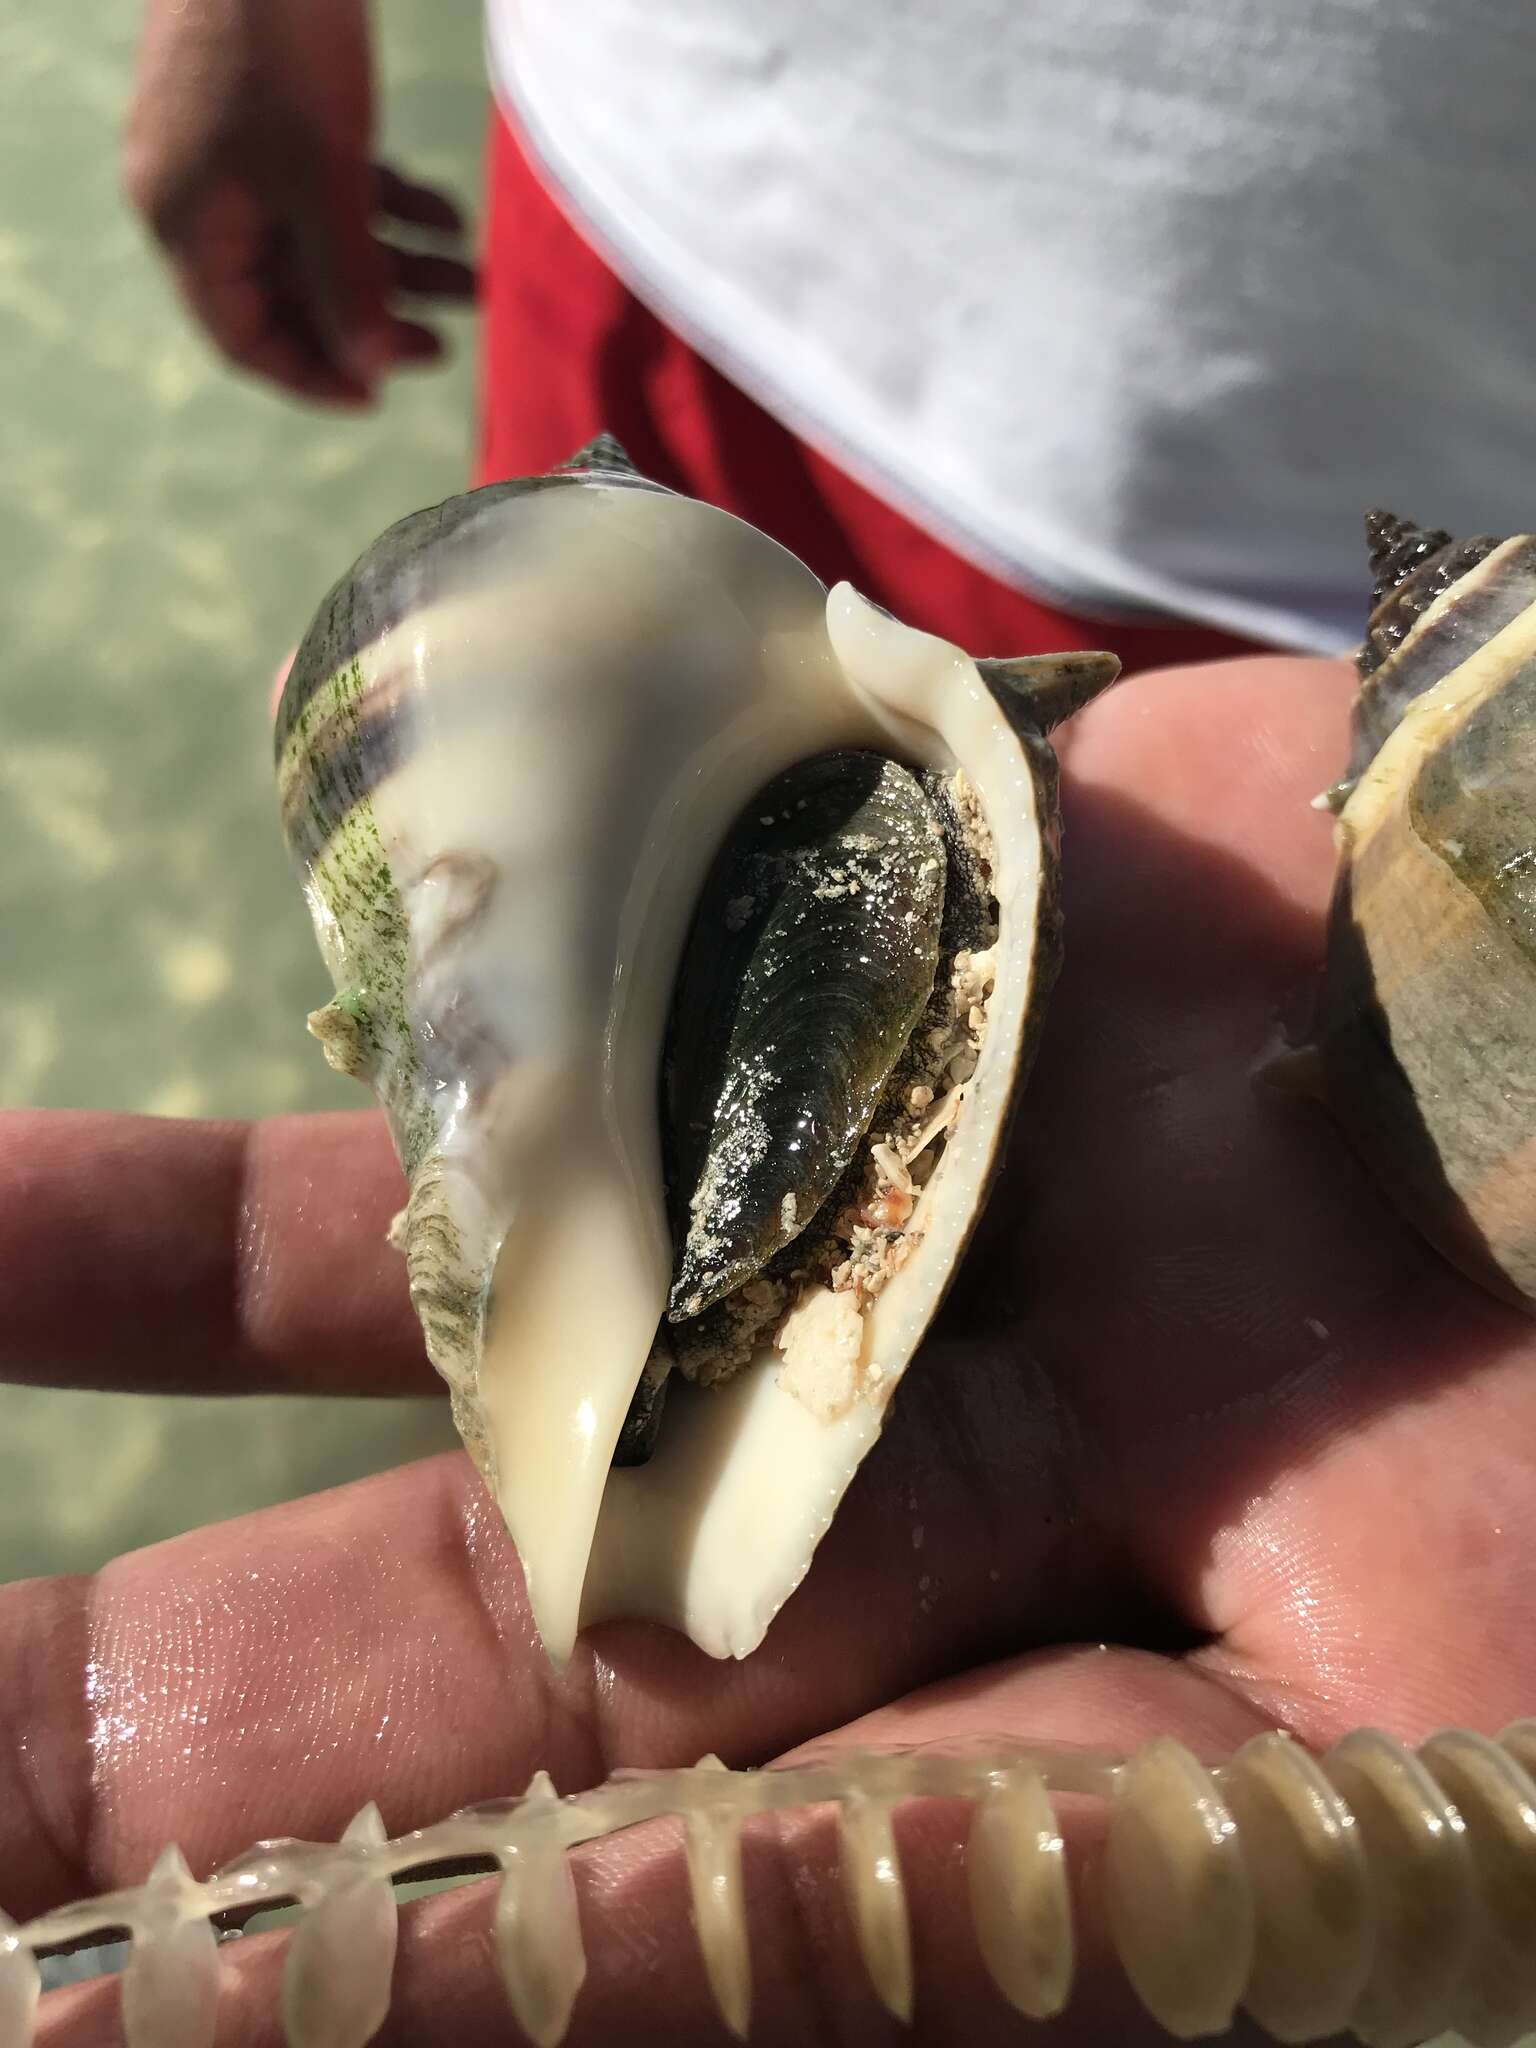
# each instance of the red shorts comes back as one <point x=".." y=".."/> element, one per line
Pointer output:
<point x="567" y="350"/>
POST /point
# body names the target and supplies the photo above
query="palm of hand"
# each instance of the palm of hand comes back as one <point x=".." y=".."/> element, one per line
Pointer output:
<point x="1196" y="1391"/>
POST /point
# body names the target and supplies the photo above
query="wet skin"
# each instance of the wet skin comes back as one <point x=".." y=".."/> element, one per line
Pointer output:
<point x="1198" y="1398"/>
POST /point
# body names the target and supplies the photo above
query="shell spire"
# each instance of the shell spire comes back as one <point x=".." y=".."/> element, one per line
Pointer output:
<point x="604" y="452"/>
<point x="1397" y="547"/>
<point x="1416" y="632"/>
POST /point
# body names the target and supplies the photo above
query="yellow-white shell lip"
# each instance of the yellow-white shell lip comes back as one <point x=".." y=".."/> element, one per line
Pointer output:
<point x="583" y="697"/>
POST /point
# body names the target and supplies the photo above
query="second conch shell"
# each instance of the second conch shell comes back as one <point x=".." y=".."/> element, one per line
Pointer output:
<point x="1428" y="1022"/>
<point x="511" y="750"/>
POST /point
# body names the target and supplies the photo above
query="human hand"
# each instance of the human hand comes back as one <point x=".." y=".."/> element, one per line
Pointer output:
<point x="1197" y="1396"/>
<point x="246" y="152"/>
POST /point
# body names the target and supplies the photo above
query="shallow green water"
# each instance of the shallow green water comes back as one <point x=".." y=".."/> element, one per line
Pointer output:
<point x="165" y="530"/>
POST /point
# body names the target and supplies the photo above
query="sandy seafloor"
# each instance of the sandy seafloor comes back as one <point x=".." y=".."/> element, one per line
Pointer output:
<point x="166" y="529"/>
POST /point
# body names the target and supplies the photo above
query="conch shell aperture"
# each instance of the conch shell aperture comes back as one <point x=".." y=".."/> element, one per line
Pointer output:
<point x="693" y="926"/>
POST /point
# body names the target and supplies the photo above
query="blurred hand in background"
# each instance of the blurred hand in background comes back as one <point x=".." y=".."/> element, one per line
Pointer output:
<point x="247" y="153"/>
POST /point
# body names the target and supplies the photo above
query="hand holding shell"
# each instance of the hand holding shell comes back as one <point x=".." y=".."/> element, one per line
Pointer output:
<point x="641" y="928"/>
<point x="1196" y="1387"/>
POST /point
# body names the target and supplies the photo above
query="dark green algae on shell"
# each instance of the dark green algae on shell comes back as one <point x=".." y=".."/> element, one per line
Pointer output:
<point x="338" y="735"/>
<point x="1427" y="1025"/>
<point x="332" y="752"/>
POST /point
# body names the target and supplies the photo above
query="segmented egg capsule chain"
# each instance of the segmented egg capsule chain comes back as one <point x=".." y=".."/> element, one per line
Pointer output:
<point x="1376" y="1890"/>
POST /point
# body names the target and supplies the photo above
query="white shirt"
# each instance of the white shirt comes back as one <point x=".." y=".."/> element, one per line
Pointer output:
<point x="1138" y="303"/>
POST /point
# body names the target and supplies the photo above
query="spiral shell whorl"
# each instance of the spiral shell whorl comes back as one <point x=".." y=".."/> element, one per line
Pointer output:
<point x="1412" y="567"/>
<point x="1376" y="1890"/>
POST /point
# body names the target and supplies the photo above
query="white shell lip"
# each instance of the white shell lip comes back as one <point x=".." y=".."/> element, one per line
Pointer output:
<point x="585" y="707"/>
<point x="718" y="1529"/>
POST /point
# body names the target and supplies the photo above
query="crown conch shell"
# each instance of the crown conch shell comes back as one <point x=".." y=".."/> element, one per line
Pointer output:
<point x="1427" y="1028"/>
<point x="692" y="925"/>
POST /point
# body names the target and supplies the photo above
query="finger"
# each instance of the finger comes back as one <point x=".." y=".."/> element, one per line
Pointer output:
<point x="344" y="272"/>
<point x="152" y="1253"/>
<point x="1228" y="1227"/>
<point x="1369" y="1540"/>
<point x="264" y="324"/>
<point x="231" y="275"/>
<point x="423" y="206"/>
<point x="808" y="1980"/>
<point x="1271" y="1366"/>
<point x="270" y="1675"/>
<point x="287" y="356"/>
<point x="412" y="345"/>
<point x="1230" y="753"/>
<point x="427" y="276"/>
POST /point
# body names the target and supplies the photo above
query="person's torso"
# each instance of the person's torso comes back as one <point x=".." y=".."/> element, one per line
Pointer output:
<point x="1139" y="301"/>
